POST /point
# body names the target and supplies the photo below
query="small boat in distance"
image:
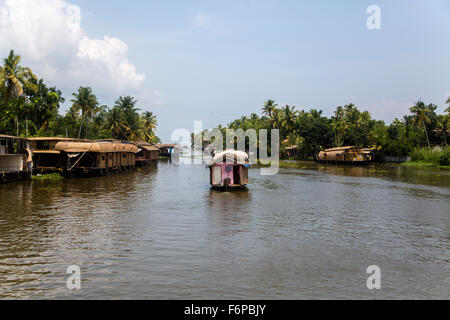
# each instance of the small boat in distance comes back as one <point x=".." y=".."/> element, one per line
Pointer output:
<point x="147" y="153"/>
<point x="345" y="155"/>
<point x="229" y="170"/>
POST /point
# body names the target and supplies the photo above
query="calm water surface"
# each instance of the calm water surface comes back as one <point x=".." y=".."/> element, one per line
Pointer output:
<point x="161" y="233"/>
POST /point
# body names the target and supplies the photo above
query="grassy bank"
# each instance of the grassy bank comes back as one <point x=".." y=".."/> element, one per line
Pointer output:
<point x="432" y="158"/>
<point x="424" y="165"/>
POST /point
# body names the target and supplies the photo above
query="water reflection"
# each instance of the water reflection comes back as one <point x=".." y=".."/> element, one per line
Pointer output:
<point x="161" y="232"/>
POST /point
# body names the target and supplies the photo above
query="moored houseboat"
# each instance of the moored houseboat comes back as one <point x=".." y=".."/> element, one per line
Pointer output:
<point x="16" y="158"/>
<point x="97" y="157"/>
<point x="229" y="170"/>
<point x="147" y="153"/>
<point x="345" y="155"/>
<point x="167" y="150"/>
<point x="45" y="158"/>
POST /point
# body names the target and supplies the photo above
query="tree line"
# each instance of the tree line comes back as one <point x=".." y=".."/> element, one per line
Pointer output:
<point x="31" y="108"/>
<point x="310" y="131"/>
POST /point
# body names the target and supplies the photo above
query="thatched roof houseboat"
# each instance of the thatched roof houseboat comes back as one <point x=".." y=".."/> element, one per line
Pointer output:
<point x="97" y="157"/>
<point x="345" y="155"/>
<point x="167" y="149"/>
<point x="45" y="158"/>
<point x="147" y="153"/>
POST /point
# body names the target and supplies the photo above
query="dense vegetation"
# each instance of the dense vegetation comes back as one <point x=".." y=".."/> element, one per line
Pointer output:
<point x="28" y="107"/>
<point x="310" y="131"/>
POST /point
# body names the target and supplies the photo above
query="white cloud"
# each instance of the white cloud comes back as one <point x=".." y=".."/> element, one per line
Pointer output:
<point x="49" y="37"/>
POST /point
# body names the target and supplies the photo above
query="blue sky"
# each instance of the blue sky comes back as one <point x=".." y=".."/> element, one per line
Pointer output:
<point x="228" y="57"/>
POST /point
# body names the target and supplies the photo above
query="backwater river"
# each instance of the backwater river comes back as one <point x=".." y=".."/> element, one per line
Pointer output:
<point x="160" y="232"/>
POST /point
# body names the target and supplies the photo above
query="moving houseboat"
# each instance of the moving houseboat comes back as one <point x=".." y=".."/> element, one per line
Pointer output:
<point x="97" y="157"/>
<point x="345" y="155"/>
<point x="45" y="158"/>
<point x="15" y="158"/>
<point x="146" y="153"/>
<point x="229" y="170"/>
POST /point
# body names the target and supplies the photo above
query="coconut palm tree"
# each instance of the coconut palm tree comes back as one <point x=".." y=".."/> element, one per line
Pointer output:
<point x="86" y="102"/>
<point x="442" y="127"/>
<point x="420" y="111"/>
<point x="117" y="123"/>
<point x="269" y="109"/>
<point x="289" y="114"/>
<point x="149" y="124"/>
<point x="128" y="105"/>
<point x="14" y="77"/>
<point x="277" y="118"/>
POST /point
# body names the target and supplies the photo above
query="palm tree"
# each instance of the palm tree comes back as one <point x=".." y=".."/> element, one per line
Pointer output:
<point x="277" y="118"/>
<point x="127" y="103"/>
<point x="442" y="125"/>
<point x="15" y="77"/>
<point x="149" y="124"/>
<point x="269" y="109"/>
<point x="117" y="123"/>
<point x="420" y="111"/>
<point x="86" y="102"/>
<point x="289" y="114"/>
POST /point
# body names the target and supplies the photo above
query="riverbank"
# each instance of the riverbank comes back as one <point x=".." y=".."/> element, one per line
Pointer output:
<point x="424" y="164"/>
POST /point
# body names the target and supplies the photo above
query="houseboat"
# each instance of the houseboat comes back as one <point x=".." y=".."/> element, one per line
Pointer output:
<point x="45" y="158"/>
<point x="229" y="170"/>
<point x="146" y="154"/>
<point x="97" y="157"/>
<point x="166" y="150"/>
<point x="345" y="155"/>
<point x="16" y="158"/>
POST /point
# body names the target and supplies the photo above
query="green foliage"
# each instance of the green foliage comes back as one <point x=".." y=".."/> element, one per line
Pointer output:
<point x="30" y="108"/>
<point x="311" y="132"/>
<point x="435" y="156"/>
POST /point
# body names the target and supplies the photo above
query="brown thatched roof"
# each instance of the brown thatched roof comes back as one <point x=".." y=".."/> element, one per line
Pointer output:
<point x="52" y="139"/>
<point x="166" y="145"/>
<point x="11" y="137"/>
<point x="97" y="146"/>
<point x="149" y="148"/>
<point x="342" y="148"/>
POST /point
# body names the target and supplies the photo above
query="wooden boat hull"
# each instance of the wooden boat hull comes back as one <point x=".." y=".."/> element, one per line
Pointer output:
<point x="6" y="177"/>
